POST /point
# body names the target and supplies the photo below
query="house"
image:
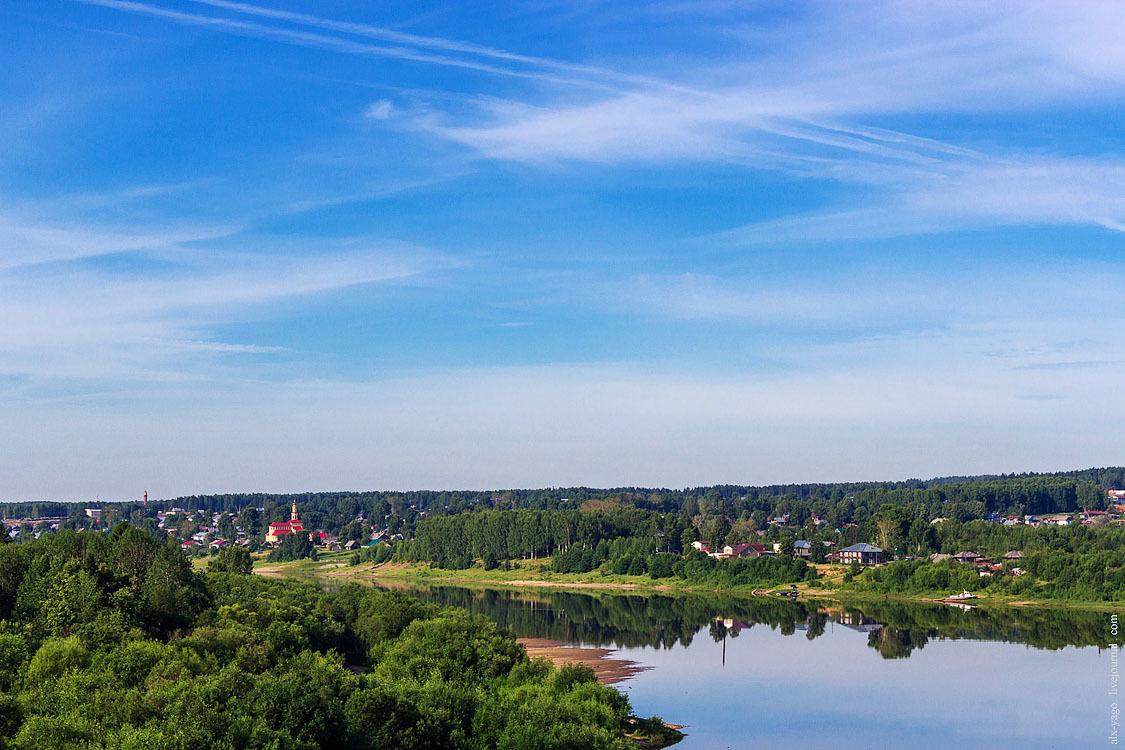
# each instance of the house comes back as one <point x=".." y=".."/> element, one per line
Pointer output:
<point x="938" y="557"/>
<point x="219" y="544"/>
<point x="859" y="622"/>
<point x="1013" y="555"/>
<point x="968" y="557"/>
<point x="743" y="550"/>
<point x="862" y="553"/>
<point x="801" y="548"/>
<point x="702" y="546"/>
<point x="352" y="545"/>
<point x="1094" y="517"/>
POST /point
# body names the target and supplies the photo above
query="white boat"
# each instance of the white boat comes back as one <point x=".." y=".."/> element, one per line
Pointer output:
<point x="963" y="596"/>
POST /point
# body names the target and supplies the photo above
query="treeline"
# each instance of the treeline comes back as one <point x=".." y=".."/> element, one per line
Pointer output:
<point x="836" y="504"/>
<point x="530" y="534"/>
<point x="622" y="541"/>
<point x="112" y="641"/>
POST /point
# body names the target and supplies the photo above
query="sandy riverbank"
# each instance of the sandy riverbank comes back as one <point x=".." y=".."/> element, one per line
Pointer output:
<point x="608" y="669"/>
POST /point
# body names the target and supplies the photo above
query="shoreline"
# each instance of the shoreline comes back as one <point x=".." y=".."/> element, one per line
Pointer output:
<point x="406" y="574"/>
<point x="418" y="574"/>
<point x="609" y="669"/>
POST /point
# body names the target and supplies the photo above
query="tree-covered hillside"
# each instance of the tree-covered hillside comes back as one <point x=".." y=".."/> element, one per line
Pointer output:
<point x="112" y="641"/>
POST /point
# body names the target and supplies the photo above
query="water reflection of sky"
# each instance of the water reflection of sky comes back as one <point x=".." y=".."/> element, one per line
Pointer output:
<point x="780" y="691"/>
<point x="969" y="681"/>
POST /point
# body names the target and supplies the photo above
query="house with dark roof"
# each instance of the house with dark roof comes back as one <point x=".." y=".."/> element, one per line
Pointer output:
<point x="862" y="553"/>
<point x="801" y="548"/>
<point x="742" y="550"/>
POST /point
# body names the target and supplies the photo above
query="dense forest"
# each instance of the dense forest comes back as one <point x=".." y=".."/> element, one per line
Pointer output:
<point x="836" y="504"/>
<point x="112" y="641"/>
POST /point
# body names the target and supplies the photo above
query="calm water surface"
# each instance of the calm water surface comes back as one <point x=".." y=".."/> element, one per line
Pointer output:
<point x="777" y="674"/>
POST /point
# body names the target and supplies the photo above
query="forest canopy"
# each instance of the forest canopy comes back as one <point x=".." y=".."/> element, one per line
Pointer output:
<point x="112" y="641"/>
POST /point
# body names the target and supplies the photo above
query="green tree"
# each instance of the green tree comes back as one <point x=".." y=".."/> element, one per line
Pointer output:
<point x="232" y="560"/>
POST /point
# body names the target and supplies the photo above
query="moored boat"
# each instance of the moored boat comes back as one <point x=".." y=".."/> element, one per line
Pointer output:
<point x="963" y="596"/>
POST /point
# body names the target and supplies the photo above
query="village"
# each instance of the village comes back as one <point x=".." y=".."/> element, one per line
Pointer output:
<point x="200" y="532"/>
<point x="865" y="554"/>
<point x="203" y="532"/>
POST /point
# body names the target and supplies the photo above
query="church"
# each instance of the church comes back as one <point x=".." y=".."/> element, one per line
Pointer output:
<point x="281" y="528"/>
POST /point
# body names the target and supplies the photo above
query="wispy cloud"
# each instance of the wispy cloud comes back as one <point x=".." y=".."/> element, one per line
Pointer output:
<point x="411" y="48"/>
<point x="379" y="110"/>
<point x="877" y="293"/>
<point x="965" y="196"/>
<point x="155" y="319"/>
<point x="24" y="243"/>
<point x="426" y="42"/>
<point x="798" y="107"/>
<point x="810" y="109"/>
<point x="921" y="59"/>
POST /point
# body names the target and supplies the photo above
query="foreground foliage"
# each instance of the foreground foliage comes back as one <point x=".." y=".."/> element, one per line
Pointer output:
<point x="111" y="641"/>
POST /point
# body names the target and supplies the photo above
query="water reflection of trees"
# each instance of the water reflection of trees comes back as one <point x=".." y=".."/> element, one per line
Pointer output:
<point x="894" y="630"/>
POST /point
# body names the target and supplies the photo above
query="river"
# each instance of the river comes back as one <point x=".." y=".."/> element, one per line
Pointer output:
<point x="756" y="672"/>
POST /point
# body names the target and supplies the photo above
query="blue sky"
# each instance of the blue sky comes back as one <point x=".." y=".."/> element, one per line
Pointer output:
<point x="292" y="246"/>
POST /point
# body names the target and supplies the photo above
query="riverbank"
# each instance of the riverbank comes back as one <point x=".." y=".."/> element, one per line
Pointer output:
<point x="609" y="669"/>
<point x="537" y="575"/>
